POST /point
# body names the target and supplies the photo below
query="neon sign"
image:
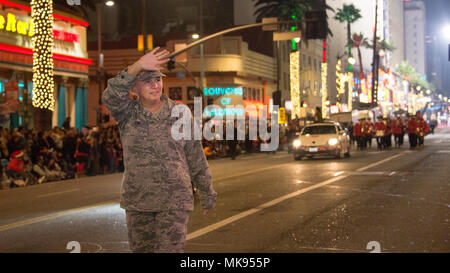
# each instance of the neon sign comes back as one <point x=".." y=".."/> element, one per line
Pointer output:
<point x="11" y="24"/>
<point x="219" y="91"/>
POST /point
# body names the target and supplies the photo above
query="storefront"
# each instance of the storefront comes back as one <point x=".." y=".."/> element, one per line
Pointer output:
<point x="70" y="65"/>
<point x="223" y="90"/>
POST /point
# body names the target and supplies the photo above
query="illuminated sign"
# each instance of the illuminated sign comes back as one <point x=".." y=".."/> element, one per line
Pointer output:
<point x="12" y="24"/>
<point x="229" y="100"/>
<point x="66" y="36"/>
<point x="220" y="91"/>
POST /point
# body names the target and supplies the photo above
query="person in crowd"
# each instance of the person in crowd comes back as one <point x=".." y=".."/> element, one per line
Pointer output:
<point x="433" y="124"/>
<point x="41" y="171"/>
<point x="358" y="133"/>
<point x="412" y="129"/>
<point x="66" y="123"/>
<point x="369" y="130"/>
<point x="422" y="129"/>
<point x="81" y="154"/>
<point x="69" y="147"/>
<point x="397" y="129"/>
<point x="17" y="170"/>
<point x="209" y="150"/>
<point x="380" y="129"/>
<point x="388" y="134"/>
<point x="350" y="133"/>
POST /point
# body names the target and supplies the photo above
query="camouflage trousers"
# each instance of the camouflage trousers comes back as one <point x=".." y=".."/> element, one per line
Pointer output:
<point x="157" y="232"/>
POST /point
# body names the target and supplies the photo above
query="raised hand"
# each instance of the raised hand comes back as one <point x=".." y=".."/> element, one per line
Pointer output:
<point x="153" y="60"/>
<point x="150" y="61"/>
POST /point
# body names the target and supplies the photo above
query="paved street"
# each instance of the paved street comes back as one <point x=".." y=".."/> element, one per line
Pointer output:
<point x="267" y="203"/>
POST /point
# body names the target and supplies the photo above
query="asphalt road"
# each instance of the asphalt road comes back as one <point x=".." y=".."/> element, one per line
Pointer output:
<point x="398" y="200"/>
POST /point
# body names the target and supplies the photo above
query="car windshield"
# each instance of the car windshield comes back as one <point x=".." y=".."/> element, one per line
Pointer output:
<point x="319" y="130"/>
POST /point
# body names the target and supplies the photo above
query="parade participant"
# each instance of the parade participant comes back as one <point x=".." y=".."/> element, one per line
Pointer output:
<point x="380" y="129"/>
<point x="411" y="128"/>
<point x="369" y="129"/>
<point x="388" y="134"/>
<point x="397" y="129"/>
<point x="423" y="129"/>
<point x="156" y="192"/>
<point x="357" y="133"/>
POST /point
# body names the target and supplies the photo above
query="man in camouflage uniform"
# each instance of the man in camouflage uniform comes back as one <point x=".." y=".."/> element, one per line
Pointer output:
<point x="156" y="189"/>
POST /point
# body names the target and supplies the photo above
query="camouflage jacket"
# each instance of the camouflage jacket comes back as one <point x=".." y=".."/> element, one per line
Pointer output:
<point x="158" y="169"/>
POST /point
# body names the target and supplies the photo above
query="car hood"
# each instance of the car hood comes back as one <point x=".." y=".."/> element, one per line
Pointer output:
<point x="312" y="140"/>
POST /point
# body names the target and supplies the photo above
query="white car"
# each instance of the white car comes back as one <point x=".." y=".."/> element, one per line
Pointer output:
<point x="325" y="139"/>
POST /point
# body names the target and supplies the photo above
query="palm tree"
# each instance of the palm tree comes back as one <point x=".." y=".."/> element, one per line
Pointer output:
<point x="286" y="10"/>
<point x="358" y="41"/>
<point x="349" y="14"/>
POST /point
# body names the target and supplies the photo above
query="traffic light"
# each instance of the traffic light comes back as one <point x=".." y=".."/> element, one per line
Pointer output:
<point x="149" y="43"/>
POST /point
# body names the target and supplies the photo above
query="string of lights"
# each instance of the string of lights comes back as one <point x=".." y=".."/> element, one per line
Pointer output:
<point x="295" y="83"/>
<point x="43" y="82"/>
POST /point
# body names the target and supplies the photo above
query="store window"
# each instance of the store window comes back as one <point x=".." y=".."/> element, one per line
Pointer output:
<point x="192" y="92"/>
<point x="175" y="93"/>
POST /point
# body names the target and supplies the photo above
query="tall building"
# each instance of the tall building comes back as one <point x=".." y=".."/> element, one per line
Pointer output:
<point x="415" y="35"/>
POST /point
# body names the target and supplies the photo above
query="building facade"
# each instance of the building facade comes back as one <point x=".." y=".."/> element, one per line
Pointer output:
<point x="415" y="35"/>
<point x="70" y="65"/>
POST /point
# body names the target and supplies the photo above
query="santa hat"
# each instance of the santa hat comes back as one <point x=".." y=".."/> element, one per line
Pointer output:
<point x="17" y="154"/>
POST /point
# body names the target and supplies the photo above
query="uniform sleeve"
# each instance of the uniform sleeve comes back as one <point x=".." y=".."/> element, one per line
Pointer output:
<point x="115" y="97"/>
<point x="200" y="173"/>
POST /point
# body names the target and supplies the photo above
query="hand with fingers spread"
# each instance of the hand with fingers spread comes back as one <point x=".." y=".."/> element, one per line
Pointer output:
<point x="150" y="61"/>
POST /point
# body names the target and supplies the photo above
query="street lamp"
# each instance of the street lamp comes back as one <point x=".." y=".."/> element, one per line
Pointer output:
<point x="428" y="92"/>
<point x="195" y="36"/>
<point x="351" y="60"/>
<point x="98" y="8"/>
<point x="446" y="31"/>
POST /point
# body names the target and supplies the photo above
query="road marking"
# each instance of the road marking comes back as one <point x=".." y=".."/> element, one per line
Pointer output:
<point x="392" y="173"/>
<point x="250" y="172"/>
<point x="53" y="216"/>
<point x="56" y="193"/>
<point x="249" y="212"/>
<point x="443" y="152"/>
<point x="379" y="162"/>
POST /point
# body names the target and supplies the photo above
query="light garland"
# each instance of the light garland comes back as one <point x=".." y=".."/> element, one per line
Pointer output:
<point x="338" y="82"/>
<point x="324" y="90"/>
<point x="294" y="58"/>
<point x="349" y="80"/>
<point x="43" y="82"/>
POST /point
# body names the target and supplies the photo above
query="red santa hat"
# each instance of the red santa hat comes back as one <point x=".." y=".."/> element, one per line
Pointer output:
<point x="17" y="154"/>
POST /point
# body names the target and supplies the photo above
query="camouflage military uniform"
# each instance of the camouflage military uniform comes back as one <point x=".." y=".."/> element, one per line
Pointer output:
<point x="158" y="170"/>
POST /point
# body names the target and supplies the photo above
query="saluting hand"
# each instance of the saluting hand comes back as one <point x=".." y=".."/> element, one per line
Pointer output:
<point x="150" y="61"/>
<point x="153" y="60"/>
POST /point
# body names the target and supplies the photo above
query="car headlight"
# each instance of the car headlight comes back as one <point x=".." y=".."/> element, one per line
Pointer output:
<point x="333" y="141"/>
<point x="297" y="143"/>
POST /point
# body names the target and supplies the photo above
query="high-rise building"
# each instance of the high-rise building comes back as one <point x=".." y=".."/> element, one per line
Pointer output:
<point x="415" y="35"/>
